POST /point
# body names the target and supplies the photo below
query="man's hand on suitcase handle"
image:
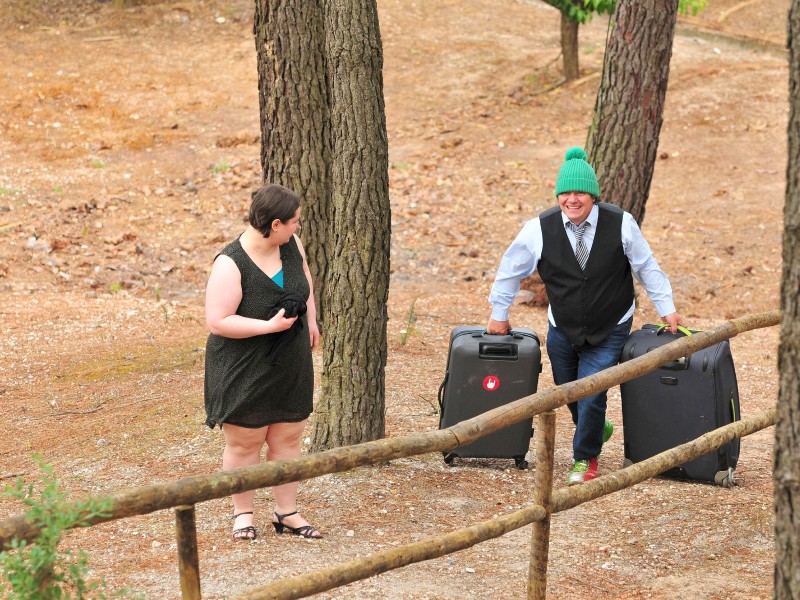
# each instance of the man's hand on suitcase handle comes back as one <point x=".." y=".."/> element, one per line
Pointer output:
<point x="673" y="320"/>
<point x="498" y="327"/>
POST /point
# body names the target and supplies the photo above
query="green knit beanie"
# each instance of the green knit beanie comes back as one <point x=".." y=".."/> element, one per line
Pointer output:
<point x="576" y="175"/>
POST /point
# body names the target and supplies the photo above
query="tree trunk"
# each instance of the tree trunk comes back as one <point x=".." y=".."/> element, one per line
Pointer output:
<point x="293" y="99"/>
<point x="569" y="47"/>
<point x="350" y="409"/>
<point x="787" y="430"/>
<point x="623" y="138"/>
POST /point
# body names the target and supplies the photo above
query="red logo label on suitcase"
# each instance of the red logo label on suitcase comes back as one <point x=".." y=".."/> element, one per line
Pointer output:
<point x="491" y="383"/>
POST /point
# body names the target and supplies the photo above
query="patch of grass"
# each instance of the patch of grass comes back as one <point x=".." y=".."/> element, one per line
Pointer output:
<point x="22" y="12"/>
<point x="150" y="361"/>
<point x="408" y="324"/>
<point x="126" y="3"/>
<point x="221" y="166"/>
<point x="7" y="191"/>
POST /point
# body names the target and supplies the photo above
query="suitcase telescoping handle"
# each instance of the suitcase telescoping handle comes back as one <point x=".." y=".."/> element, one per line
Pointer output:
<point x="497" y="350"/>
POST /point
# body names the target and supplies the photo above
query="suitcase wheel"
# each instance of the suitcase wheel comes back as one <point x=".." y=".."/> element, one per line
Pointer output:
<point x="626" y="463"/>
<point x="725" y="478"/>
<point x="521" y="463"/>
<point x="449" y="457"/>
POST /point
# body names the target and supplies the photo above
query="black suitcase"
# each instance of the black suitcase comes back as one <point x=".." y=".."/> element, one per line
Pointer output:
<point x="678" y="402"/>
<point x="483" y="372"/>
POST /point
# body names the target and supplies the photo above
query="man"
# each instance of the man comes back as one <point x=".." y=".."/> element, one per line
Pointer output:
<point x="587" y="254"/>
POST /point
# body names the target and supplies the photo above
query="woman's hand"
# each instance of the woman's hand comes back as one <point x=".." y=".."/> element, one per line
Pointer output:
<point x="279" y="322"/>
<point x="311" y="305"/>
<point x="313" y="332"/>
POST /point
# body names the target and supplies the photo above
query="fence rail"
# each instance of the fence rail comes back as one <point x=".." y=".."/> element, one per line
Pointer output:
<point x="563" y="499"/>
<point x="183" y="494"/>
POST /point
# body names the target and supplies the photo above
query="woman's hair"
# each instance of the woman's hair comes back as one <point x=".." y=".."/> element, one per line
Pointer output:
<point x="272" y="202"/>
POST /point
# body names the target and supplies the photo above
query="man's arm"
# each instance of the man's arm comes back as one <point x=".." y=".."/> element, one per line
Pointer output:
<point x="518" y="262"/>
<point x="647" y="272"/>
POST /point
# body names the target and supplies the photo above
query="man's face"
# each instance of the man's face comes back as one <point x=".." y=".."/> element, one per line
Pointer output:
<point x="576" y="205"/>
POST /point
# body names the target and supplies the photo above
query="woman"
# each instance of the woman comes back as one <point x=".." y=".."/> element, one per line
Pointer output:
<point x="259" y="375"/>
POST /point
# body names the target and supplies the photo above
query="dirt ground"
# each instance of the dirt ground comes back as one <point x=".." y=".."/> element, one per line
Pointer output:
<point x="129" y="148"/>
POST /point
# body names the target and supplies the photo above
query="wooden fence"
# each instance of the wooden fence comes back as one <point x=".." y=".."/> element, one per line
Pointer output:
<point x="183" y="494"/>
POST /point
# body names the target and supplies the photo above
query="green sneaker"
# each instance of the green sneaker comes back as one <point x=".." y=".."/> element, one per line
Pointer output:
<point x="608" y="430"/>
<point x="582" y="470"/>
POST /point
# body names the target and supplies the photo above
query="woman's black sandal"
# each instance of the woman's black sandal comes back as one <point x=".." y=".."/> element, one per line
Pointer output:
<point x="248" y="533"/>
<point x="306" y="531"/>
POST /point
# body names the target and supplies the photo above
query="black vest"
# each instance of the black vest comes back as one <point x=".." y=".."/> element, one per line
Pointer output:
<point x="586" y="304"/>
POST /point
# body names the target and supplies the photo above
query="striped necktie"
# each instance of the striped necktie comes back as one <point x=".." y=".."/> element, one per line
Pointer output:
<point x="581" y="252"/>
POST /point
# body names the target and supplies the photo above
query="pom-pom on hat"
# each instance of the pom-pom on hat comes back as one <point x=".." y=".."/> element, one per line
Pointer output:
<point x="576" y="175"/>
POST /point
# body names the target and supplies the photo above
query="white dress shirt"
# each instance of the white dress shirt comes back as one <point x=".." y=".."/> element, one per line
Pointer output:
<point x="522" y="256"/>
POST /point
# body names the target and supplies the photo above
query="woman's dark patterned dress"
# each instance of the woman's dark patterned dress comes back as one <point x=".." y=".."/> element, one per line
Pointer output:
<point x="240" y="387"/>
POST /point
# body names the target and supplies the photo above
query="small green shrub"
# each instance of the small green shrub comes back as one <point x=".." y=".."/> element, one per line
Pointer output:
<point x="37" y="570"/>
<point x="221" y="166"/>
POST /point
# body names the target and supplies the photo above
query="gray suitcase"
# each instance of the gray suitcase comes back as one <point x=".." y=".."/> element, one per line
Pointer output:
<point x="483" y="372"/>
<point x="678" y="402"/>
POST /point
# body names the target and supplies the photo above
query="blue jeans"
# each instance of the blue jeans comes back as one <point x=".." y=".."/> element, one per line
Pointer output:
<point x="570" y="363"/>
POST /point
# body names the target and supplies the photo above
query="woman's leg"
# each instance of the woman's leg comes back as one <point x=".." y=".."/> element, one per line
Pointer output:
<point x="283" y="442"/>
<point x="242" y="449"/>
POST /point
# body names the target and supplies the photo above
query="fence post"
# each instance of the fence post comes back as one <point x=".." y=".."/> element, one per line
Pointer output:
<point x="540" y="534"/>
<point x="188" y="562"/>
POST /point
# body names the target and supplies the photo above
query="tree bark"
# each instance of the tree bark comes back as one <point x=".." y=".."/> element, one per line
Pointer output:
<point x="569" y="48"/>
<point x="293" y="99"/>
<point x="351" y="404"/>
<point x="786" y="470"/>
<point x="623" y="138"/>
